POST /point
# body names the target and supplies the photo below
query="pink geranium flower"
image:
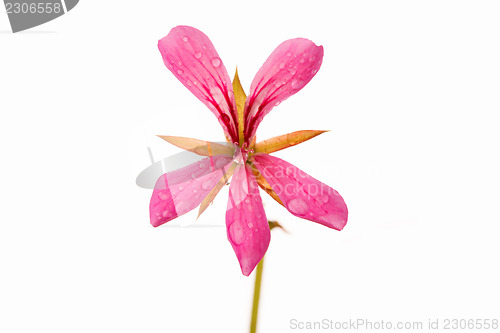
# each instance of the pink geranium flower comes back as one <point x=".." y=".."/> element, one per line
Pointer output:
<point x="191" y="57"/>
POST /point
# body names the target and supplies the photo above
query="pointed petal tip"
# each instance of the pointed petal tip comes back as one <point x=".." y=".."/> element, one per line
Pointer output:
<point x="337" y="219"/>
<point x="339" y="224"/>
<point x="155" y="224"/>
<point x="247" y="267"/>
<point x="181" y="28"/>
<point x="158" y="222"/>
<point x="248" y="271"/>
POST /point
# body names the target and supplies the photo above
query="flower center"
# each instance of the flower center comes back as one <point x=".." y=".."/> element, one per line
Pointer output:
<point x="241" y="154"/>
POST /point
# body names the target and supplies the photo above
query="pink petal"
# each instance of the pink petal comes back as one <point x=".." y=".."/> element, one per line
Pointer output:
<point x="191" y="57"/>
<point x="287" y="70"/>
<point x="180" y="191"/>
<point x="247" y="226"/>
<point x="303" y="195"/>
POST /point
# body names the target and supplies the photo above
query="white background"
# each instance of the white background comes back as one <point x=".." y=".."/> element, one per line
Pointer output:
<point x="409" y="90"/>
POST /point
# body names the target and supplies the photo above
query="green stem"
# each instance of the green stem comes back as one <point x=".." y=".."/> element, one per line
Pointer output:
<point x="256" y="296"/>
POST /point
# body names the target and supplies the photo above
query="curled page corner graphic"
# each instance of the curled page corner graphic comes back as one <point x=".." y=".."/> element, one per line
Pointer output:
<point x="26" y="14"/>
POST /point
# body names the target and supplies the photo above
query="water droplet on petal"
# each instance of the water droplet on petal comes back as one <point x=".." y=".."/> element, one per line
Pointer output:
<point x="181" y="188"/>
<point x="298" y="206"/>
<point x="185" y="39"/>
<point x="204" y="47"/>
<point x="312" y="58"/>
<point x="202" y="165"/>
<point x="165" y="213"/>
<point x="236" y="233"/>
<point x="314" y="71"/>
<point x="207" y="184"/>
<point x="250" y="225"/>
<point x="197" y="55"/>
<point x="163" y="196"/>
<point x="216" y="62"/>
<point x="282" y="66"/>
<point x="302" y="60"/>
<point x="179" y="63"/>
<point x="247" y="201"/>
<point x="292" y="71"/>
<point x="195" y="191"/>
<point x="289" y="54"/>
<point x="294" y="83"/>
<point x="180" y="72"/>
<point x="182" y="206"/>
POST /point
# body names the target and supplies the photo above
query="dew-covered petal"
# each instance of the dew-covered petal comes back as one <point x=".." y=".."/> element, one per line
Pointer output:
<point x="247" y="226"/>
<point x="287" y="70"/>
<point x="180" y="191"/>
<point x="189" y="54"/>
<point x="303" y="195"/>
